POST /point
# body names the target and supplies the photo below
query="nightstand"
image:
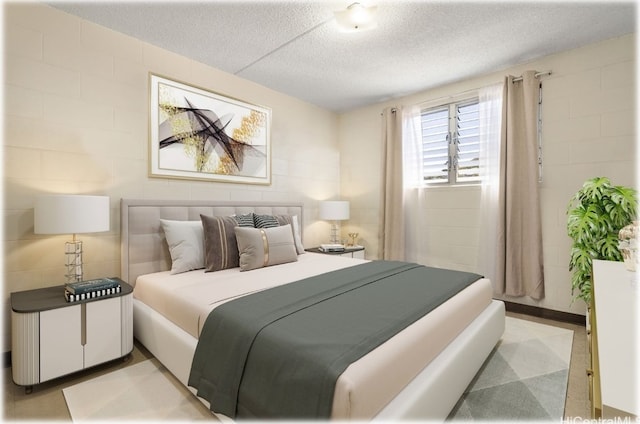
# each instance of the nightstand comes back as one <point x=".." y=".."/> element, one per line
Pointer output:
<point x="352" y="252"/>
<point x="51" y="337"/>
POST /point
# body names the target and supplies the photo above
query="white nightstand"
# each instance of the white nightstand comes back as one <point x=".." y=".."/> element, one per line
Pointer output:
<point x="51" y="337"/>
<point x="352" y="252"/>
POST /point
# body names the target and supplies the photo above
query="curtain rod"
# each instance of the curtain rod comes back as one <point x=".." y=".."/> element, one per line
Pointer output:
<point x="537" y="75"/>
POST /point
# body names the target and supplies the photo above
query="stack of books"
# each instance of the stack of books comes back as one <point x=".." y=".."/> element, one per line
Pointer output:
<point x="332" y="247"/>
<point x="90" y="289"/>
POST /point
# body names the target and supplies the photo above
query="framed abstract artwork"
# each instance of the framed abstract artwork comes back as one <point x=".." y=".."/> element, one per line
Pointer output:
<point x="198" y="134"/>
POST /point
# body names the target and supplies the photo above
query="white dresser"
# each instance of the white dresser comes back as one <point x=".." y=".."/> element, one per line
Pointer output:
<point x="616" y="304"/>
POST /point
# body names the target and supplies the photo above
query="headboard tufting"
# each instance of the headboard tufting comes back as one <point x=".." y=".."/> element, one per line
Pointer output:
<point x="143" y="248"/>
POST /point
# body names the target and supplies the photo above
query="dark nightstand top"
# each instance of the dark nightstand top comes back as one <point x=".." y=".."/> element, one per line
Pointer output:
<point x="46" y="298"/>
<point x="342" y="252"/>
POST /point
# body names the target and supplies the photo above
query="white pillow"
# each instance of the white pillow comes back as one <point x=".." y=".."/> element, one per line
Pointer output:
<point x="295" y="227"/>
<point x="296" y="234"/>
<point x="186" y="244"/>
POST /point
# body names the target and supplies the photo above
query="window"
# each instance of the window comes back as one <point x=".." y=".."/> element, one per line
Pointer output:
<point x="451" y="143"/>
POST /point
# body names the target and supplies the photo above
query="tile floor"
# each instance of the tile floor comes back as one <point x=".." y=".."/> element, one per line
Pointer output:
<point x="47" y="401"/>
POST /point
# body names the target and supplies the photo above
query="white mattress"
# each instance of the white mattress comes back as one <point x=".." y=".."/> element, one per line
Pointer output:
<point x="368" y="384"/>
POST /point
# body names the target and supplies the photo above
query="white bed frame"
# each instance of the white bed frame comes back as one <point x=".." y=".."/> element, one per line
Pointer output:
<point x="430" y="396"/>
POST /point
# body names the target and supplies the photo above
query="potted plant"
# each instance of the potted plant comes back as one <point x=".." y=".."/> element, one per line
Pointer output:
<point x="596" y="213"/>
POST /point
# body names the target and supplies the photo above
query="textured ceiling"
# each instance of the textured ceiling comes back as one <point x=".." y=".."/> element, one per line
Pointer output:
<point x="295" y="47"/>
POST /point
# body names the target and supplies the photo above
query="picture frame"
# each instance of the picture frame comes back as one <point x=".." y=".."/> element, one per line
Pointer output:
<point x="202" y="135"/>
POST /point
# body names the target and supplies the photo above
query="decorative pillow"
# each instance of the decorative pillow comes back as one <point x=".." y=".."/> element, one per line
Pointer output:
<point x="245" y="220"/>
<point x="220" y="245"/>
<point x="295" y="227"/>
<point x="260" y="247"/>
<point x="265" y="221"/>
<point x="186" y="244"/>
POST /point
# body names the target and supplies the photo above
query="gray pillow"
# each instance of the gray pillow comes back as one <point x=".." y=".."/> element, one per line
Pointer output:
<point x="186" y="245"/>
<point x="220" y="246"/>
<point x="260" y="247"/>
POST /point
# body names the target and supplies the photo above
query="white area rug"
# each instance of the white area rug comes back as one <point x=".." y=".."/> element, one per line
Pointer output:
<point x="524" y="378"/>
<point x="144" y="391"/>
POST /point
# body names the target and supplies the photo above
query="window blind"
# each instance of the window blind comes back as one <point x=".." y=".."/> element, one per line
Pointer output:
<point x="450" y="143"/>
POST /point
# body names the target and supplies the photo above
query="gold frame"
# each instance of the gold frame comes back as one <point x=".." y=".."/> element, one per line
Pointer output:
<point x="198" y="134"/>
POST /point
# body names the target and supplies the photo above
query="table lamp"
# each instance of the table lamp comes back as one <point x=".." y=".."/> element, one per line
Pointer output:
<point x="334" y="210"/>
<point x="71" y="214"/>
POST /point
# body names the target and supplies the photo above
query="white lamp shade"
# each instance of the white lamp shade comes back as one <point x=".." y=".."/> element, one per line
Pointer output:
<point x="71" y="214"/>
<point x="334" y="210"/>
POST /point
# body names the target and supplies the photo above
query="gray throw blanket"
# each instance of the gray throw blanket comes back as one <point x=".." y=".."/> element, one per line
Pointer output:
<point x="278" y="353"/>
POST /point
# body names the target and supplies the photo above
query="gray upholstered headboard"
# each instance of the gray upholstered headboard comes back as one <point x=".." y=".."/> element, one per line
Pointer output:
<point x="143" y="248"/>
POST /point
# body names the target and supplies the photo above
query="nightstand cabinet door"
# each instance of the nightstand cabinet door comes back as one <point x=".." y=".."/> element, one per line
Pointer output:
<point x="61" y="349"/>
<point x="103" y="341"/>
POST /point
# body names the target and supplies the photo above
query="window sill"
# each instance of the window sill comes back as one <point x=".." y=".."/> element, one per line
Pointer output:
<point x="451" y="186"/>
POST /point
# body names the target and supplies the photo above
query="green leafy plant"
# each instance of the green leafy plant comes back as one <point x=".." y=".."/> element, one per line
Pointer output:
<point x="595" y="215"/>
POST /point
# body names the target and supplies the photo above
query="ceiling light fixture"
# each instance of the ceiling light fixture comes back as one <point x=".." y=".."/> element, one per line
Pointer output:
<point x="356" y="17"/>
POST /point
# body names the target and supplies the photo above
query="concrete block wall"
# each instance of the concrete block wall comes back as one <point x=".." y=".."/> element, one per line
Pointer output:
<point x="76" y="108"/>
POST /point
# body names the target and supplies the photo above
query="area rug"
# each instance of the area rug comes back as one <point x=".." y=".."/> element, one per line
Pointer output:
<point x="144" y="391"/>
<point x="524" y="379"/>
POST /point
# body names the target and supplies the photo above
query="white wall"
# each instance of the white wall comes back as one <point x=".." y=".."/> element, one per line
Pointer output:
<point x="589" y="129"/>
<point x="76" y="121"/>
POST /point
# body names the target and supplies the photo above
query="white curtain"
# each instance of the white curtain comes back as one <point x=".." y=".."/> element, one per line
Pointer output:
<point x="491" y="101"/>
<point x="416" y="237"/>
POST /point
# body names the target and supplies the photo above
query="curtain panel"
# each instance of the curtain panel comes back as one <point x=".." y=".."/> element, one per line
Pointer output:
<point x="523" y="258"/>
<point x="415" y="198"/>
<point x="492" y="171"/>
<point x="391" y="231"/>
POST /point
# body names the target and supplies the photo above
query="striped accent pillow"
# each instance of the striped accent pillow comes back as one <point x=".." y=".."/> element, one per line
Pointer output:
<point x="245" y="220"/>
<point x="220" y="245"/>
<point x="265" y="221"/>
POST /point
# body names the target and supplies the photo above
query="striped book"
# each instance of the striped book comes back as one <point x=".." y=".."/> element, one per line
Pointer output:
<point x="71" y="297"/>
<point x="91" y="285"/>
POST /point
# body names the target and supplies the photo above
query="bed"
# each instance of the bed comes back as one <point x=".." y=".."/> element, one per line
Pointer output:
<point x="425" y="367"/>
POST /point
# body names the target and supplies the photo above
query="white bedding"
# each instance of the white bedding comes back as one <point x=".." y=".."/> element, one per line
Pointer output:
<point x="186" y="299"/>
<point x="368" y="384"/>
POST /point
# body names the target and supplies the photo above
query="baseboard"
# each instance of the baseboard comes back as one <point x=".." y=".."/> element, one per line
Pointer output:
<point x="539" y="312"/>
<point x="6" y="360"/>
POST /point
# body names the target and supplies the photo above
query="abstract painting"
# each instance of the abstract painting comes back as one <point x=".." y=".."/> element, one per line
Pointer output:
<point x="199" y="134"/>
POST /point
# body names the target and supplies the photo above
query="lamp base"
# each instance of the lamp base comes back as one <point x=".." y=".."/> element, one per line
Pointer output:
<point x="335" y="230"/>
<point x="73" y="263"/>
